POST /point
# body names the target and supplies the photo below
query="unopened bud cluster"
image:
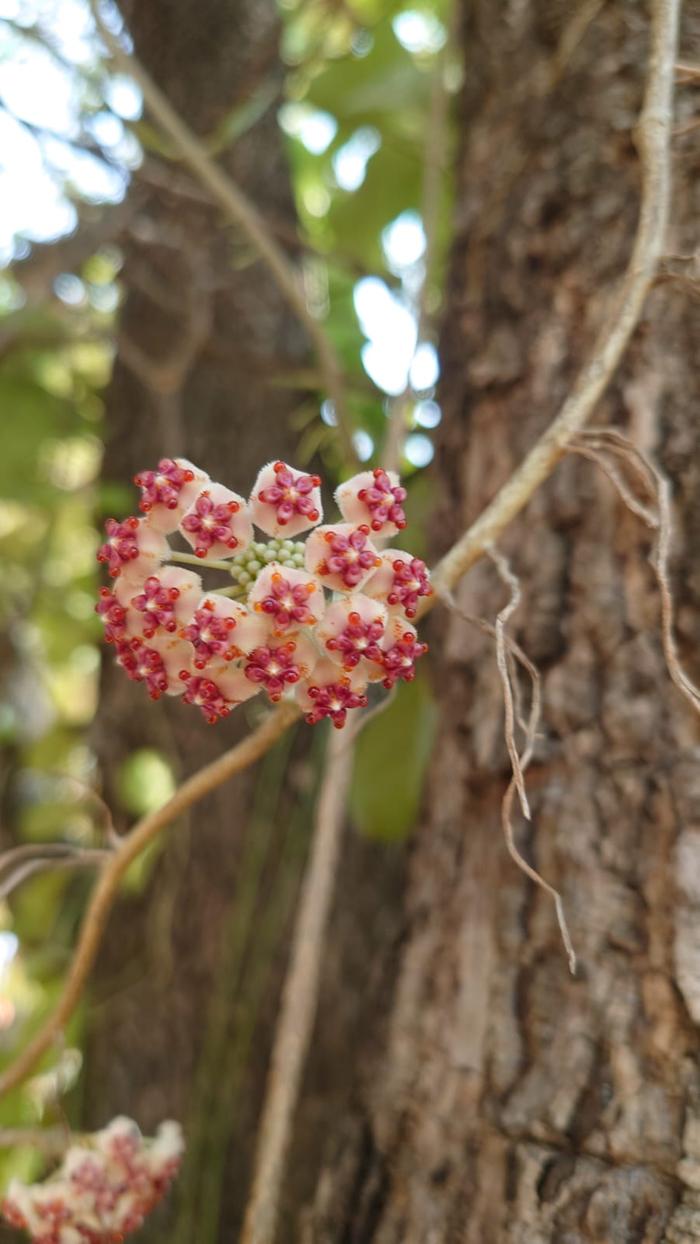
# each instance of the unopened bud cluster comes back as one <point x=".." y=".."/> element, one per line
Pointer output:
<point x="102" y="1191"/>
<point x="325" y="617"/>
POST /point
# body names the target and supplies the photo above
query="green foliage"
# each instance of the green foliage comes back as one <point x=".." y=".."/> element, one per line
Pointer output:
<point x="145" y="782"/>
<point x="354" y="71"/>
<point x="390" y="761"/>
<point x="53" y="362"/>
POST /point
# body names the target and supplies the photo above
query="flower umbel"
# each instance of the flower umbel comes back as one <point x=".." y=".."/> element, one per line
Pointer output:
<point x="323" y="617"/>
<point x="103" y="1190"/>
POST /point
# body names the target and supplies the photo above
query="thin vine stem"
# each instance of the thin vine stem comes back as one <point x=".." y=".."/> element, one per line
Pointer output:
<point x="190" y="559"/>
<point x="653" y="139"/>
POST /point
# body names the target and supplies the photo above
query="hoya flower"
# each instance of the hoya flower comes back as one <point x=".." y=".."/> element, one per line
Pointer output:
<point x="278" y="666"/>
<point x="169" y="491"/>
<point x="285" y="501"/>
<point x="132" y="548"/>
<point x="330" y="693"/>
<point x="341" y="556"/>
<point x="177" y="655"/>
<point x="401" y="651"/>
<point x="373" y="497"/>
<point x="103" y="1190"/>
<point x="352" y="630"/>
<point x="401" y="581"/>
<point x="232" y="682"/>
<point x="288" y="598"/>
<point x="166" y="601"/>
<point x="320" y="618"/>
<point x="113" y="616"/>
<point x="217" y="523"/>
<point x="222" y="629"/>
<point x="206" y="695"/>
<point x="143" y="664"/>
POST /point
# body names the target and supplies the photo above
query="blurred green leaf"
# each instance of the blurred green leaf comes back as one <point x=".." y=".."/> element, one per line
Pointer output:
<point x="35" y="415"/>
<point x="145" y="781"/>
<point x="390" y="762"/>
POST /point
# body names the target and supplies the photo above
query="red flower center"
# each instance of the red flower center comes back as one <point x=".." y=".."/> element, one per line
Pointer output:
<point x="400" y="660"/>
<point x="143" y="664"/>
<point x="113" y="616"/>
<point x="334" y="700"/>
<point x="157" y="604"/>
<point x="205" y="695"/>
<point x="288" y="604"/>
<point x="273" y="667"/>
<point x="384" y="501"/>
<point x="210" y="634"/>
<point x="210" y="523"/>
<point x="291" y="494"/>
<point x="121" y="545"/>
<point x="348" y="556"/>
<point x="358" y="639"/>
<point x="410" y="582"/>
<point x="162" y="486"/>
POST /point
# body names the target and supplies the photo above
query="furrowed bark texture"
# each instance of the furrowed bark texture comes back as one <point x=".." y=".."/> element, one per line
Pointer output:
<point x="510" y="1103"/>
<point x="184" y="990"/>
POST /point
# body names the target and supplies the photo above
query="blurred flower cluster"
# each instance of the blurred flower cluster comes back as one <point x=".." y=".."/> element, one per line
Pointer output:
<point x="326" y="617"/>
<point x="103" y="1189"/>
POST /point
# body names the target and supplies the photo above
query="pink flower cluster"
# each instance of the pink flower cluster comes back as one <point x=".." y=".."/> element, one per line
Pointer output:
<point x="103" y="1189"/>
<point x="326" y="617"/>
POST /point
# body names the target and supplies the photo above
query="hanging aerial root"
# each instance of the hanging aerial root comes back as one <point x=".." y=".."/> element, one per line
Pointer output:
<point x="509" y="654"/>
<point x="611" y="451"/>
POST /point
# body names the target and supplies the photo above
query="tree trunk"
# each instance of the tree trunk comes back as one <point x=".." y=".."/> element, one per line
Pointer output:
<point x="506" y="1100"/>
<point x="181" y="1005"/>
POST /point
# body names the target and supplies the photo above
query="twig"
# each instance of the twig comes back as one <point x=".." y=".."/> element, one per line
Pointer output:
<point x="683" y="270"/>
<point x="637" y="507"/>
<point x="191" y="559"/>
<point x="300" y="994"/>
<point x="682" y="131"/>
<point x="688" y="73"/>
<point x="21" y="862"/>
<point x="243" y="215"/>
<point x="301" y="987"/>
<point x="653" y="142"/>
<point x="572" y="36"/>
<point x="53" y="1141"/>
<point x="106" y="890"/>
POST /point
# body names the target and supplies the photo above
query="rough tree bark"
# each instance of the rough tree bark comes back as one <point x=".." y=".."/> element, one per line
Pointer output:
<point x="502" y="1100"/>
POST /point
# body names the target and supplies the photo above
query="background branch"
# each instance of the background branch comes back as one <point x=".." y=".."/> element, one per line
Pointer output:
<point x="243" y="215"/>
<point x="104" y="895"/>
<point x="300" y="994"/>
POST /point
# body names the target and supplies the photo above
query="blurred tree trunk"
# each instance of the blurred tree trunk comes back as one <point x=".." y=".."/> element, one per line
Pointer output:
<point x="188" y="966"/>
<point x="504" y="1100"/>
